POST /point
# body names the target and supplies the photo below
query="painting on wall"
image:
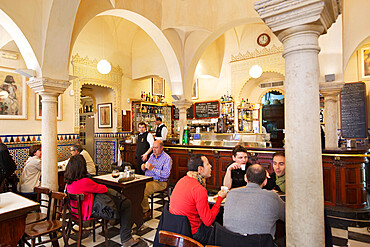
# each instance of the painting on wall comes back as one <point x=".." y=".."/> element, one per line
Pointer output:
<point x="105" y="115"/>
<point x="13" y="95"/>
<point x="158" y="86"/>
<point x="39" y="107"/>
<point x="365" y="59"/>
<point x="195" y="91"/>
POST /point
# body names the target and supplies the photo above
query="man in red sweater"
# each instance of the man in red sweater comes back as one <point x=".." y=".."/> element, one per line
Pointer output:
<point x="190" y="198"/>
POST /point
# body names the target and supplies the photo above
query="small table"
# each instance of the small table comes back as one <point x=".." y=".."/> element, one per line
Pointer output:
<point x="133" y="190"/>
<point x="13" y="212"/>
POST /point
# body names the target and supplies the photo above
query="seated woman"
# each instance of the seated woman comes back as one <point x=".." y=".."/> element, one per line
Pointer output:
<point x="7" y="164"/>
<point x="31" y="174"/>
<point x="235" y="172"/>
<point x="78" y="182"/>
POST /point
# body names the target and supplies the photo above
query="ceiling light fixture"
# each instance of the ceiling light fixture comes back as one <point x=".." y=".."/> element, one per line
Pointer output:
<point x="255" y="71"/>
<point x="103" y="65"/>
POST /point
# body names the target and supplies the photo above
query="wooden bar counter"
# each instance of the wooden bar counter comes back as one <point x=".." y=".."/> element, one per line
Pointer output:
<point x="343" y="169"/>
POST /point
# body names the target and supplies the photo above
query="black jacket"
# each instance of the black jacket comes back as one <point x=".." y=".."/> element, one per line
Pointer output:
<point x="172" y="223"/>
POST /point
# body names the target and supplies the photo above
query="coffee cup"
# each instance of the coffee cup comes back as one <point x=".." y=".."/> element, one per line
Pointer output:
<point x="225" y="188"/>
<point x="242" y="167"/>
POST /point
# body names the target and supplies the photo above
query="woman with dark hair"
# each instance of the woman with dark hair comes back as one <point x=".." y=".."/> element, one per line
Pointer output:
<point x="32" y="171"/>
<point x="77" y="180"/>
<point x="7" y="164"/>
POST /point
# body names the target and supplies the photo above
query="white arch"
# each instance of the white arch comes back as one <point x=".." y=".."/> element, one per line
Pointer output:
<point x="160" y="40"/>
<point x="20" y="39"/>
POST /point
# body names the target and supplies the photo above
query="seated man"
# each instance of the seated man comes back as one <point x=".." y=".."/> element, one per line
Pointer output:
<point x="235" y="172"/>
<point x="251" y="209"/>
<point x="77" y="149"/>
<point x="276" y="182"/>
<point x="159" y="167"/>
<point x="189" y="198"/>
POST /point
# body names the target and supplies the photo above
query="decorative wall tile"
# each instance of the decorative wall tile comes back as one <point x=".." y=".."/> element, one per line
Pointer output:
<point x="105" y="154"/>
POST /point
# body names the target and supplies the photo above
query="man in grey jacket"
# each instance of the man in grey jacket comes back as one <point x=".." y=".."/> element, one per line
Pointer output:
<point x="251" y="209"/>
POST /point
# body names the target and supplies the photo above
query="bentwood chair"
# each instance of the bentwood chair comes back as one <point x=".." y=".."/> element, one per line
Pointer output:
<point x="75" y="209"/>
<point x="44" y="203"/>
<point x="55" y="226"/>
<point x="178" y="240"/>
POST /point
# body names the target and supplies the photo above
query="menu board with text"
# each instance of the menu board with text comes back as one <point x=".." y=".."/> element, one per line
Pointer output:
<point x="353" y="110"/>
<point x="209" y="109"/>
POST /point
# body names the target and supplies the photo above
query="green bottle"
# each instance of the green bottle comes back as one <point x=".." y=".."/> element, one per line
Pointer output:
<point x="185" y="137"/>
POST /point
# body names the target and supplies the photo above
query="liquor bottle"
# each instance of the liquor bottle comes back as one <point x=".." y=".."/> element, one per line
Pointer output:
<point x="185" y="136"/>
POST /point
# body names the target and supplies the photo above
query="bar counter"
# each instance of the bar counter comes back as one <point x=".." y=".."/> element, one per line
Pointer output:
<point x="343" y="169"/>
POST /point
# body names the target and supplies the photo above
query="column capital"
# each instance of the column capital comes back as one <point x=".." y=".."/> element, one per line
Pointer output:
<point x="45" y="85"/>
<point x="328" y="89"/>
<point x="283" y="14"/>
<point x="182" y="104"/>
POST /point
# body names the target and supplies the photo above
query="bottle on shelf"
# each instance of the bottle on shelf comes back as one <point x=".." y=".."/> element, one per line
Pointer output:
<point x="185" y="136"/>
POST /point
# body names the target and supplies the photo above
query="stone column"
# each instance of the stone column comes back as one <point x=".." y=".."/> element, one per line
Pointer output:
<point x="49" y="91"/>
<point x="330" y="92"/>
<point x="298" y="25"/>
<point x="304" y="177"/>
<point x="182" y="105"/>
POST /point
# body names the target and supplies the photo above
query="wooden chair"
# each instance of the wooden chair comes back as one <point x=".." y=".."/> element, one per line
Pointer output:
<point x="44" y="203"/>
<point x="178" y="240"/>
<point x="76" y="218"/>
<point x="55" y="226"/>
<point x="162" y="194"/>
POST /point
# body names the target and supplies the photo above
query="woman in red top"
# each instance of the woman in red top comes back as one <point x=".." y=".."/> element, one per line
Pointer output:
<point x="78" y="183"/>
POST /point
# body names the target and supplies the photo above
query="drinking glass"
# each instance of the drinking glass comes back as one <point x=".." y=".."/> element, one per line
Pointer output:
<point x="115" y="173"/>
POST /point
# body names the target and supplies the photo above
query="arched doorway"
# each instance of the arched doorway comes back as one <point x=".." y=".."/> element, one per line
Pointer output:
<point x="273" y="116"/>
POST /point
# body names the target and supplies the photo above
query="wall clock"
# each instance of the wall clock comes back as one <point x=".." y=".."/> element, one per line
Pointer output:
<point x="263" y="40"/>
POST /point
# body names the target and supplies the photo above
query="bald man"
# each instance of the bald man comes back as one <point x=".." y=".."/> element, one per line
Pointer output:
<point x="159" y="167"/>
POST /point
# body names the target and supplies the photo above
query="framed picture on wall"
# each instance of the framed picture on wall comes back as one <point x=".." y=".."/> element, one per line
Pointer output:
<point x="105" y="115"/>
<point x="195" y="92"/>
<point x="157" y="86"/>
<point x="365" y="62"/>
<point x="38" y="108"/>
<point x="13" y="95"/>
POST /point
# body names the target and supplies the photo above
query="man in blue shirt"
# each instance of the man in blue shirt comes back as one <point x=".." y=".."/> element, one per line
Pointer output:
<point x="159" y="167"/>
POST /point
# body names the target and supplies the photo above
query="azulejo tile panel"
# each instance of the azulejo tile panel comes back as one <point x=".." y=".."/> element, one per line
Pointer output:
<point x="19" y="146"/>
<point x="105" y="154"/>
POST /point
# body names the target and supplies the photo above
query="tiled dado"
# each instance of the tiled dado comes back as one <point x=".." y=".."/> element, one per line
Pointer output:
<point x="19" y="145"/>
<point x="106" y="149"/>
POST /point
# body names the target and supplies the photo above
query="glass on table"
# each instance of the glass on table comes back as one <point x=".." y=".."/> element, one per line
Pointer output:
<point x="115" y="173"/>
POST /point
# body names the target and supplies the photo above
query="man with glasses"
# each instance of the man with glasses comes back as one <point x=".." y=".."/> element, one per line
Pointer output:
<point x="77" y="149"/>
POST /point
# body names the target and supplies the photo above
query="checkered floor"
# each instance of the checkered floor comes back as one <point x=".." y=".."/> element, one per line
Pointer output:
<point x="354" y="237"/>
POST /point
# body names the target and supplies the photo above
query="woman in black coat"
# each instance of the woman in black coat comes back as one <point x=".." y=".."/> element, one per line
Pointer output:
<point x="7" y="164"/>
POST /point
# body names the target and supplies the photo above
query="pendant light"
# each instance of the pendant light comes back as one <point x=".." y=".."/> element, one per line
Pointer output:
<point x="255" y="71"/>
<point x="103" y="65"/>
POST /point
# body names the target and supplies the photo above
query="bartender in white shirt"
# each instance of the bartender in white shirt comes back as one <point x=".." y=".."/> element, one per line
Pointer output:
<point x="161" y="130"/>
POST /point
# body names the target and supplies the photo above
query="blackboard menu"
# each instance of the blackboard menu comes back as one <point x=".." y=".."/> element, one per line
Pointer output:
<point x="189" y="113"/>
<point x="207" y="109"/>
<point x="175" y="112"/>
<point x="353" y="110"/>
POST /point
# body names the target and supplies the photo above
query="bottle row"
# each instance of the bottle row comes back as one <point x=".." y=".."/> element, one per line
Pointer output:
<point x="151" y="109"/>
<point x="151" y="98"/>
<point x="86" y="108"/>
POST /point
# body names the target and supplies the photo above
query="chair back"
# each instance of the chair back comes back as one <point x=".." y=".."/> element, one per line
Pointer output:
<point x="75" y="206"/>
<point x="175" y="239"/>
<point x="44" y="202"/>
<point x="221" y="236"/>
<point x="59" y="202"/>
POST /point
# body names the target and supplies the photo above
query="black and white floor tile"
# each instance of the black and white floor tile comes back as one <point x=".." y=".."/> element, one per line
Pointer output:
<point x="352" y="236"/>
